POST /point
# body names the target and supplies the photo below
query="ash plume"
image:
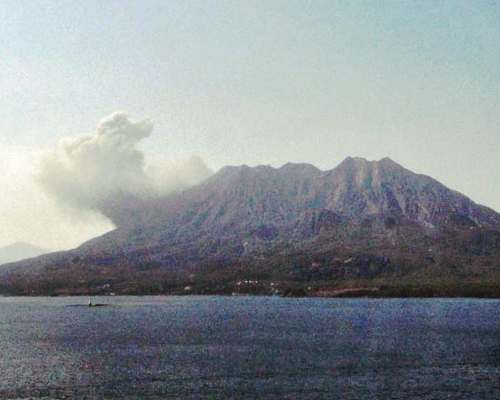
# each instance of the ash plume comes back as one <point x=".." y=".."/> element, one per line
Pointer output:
<point x="108" y="173"/>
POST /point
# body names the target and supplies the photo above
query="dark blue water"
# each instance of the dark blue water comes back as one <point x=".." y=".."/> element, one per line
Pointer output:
<point x="249" y="347"/>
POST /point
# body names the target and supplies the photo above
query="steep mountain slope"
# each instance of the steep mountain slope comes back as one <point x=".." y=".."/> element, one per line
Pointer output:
<point x="247" y="205"/>
<point x="360" y="220"/>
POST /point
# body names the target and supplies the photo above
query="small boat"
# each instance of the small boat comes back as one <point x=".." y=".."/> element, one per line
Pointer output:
<point x="93" y="305"/>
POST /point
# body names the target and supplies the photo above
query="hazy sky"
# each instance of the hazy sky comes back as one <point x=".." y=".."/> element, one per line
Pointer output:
<point x="249" y="82"/>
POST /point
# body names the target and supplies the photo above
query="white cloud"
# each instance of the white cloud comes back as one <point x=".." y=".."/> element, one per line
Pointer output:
<point x="106" y="171"/>
<point x="59" y="198"/>
<point x="28" y="215"/>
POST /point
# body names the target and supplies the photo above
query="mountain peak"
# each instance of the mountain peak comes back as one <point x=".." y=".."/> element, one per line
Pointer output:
<point x="303" y="169"/>
<point x="364" y="161"/>
<point x="389" y="162"/>
<point x="18" y="251"/>
<point x="293" y="165"/>
<point x="360" y="215"/>
<point x="354" y="160"/>
<point x="20" y="246"/>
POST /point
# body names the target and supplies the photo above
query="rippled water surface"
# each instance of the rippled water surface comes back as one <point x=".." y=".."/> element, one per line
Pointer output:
<point x="249" y="347"/>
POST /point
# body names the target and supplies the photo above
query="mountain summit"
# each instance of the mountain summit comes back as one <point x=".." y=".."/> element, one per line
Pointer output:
<point x="361" y="220"/>
<point x="19" y="251"/>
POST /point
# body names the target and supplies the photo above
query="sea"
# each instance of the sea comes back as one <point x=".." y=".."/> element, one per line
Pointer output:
<point x="216" y="347"/>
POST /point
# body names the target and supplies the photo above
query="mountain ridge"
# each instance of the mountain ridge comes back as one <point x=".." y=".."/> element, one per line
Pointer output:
<point x="269" y="219"/>
<point x="18" y="251"/>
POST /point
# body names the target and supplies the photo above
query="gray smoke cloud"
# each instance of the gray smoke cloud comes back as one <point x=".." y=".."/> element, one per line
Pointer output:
<point x="106" y="172"/>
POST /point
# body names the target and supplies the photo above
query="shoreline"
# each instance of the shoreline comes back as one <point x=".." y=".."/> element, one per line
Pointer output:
<point x="485" y="290"/>
<point x="344" y="296"/>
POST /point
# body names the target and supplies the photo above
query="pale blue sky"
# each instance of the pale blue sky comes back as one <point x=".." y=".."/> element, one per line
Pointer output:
<point x="265" y="82"/>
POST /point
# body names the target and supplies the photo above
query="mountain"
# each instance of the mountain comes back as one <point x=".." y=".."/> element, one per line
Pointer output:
<point x="19" y="251"/>
<point x="363" y="222"/>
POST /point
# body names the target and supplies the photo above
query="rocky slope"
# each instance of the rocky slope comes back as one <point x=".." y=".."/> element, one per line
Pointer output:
<point x="361" y="220"/>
